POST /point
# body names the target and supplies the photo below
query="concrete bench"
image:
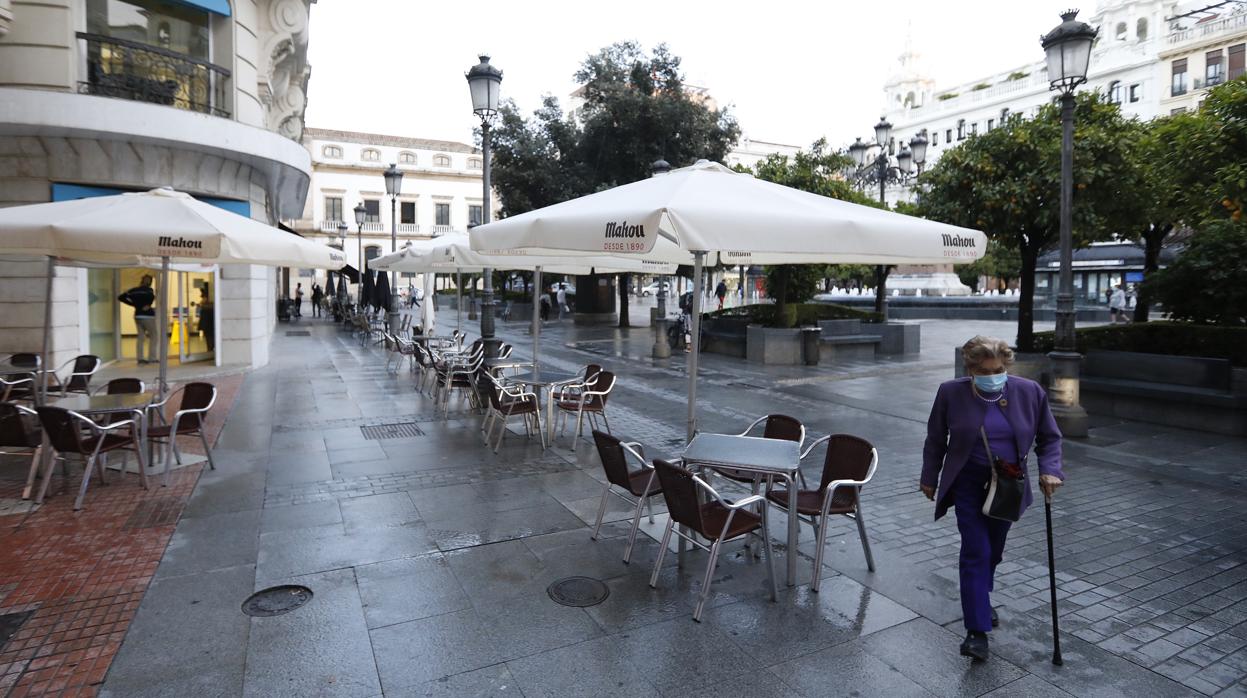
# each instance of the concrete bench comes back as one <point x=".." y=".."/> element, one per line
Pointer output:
<point x="1186" y="391"/>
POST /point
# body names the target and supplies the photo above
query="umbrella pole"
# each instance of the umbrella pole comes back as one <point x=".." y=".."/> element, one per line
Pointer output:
<point x="699" y="259"/>
<point x="536" y="313"/>
<point x="458" y="301"/>
<point x="163" y="334"/>
<point x="41" y="391"/>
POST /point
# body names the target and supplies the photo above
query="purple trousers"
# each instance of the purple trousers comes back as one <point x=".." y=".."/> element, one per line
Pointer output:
<point x="982" y="545"/>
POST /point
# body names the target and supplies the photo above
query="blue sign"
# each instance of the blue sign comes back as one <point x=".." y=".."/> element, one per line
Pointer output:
<point x="1134" y="277"/>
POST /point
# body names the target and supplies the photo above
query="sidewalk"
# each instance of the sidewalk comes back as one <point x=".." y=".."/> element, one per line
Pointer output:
<point x="429" y="556"/>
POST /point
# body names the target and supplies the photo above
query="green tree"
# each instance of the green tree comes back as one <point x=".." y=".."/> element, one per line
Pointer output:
<point x="1000" y="262"/>
<point x="1208" y="282"/>
<point x="1006" y="182"/>
<point x="816" y="170"/>
<point x="636" y="110"/>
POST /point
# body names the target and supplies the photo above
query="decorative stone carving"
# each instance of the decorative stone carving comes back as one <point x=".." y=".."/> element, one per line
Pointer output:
<point x="284" y="70"/>
<point x="6" y="16"/>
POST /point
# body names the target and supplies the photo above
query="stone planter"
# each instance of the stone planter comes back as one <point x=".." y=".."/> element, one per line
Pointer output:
<point x="898" y="337"/>
<point x="772" y="345"/>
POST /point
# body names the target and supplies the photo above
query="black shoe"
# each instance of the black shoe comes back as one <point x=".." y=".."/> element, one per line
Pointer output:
<point x="995" y="619"/>
<point x="975" y="646"/>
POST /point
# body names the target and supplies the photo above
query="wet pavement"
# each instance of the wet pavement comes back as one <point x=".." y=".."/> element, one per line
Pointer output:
<point x="429" y="556"/>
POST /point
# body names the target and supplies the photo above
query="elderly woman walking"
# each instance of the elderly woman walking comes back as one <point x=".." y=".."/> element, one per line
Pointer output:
<point x="1012" y="413"/>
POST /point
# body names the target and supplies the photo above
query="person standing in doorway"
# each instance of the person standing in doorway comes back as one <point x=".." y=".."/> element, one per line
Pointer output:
<point x="561" y="297"/>
<point x="1117" y="305"/>
<point x="720" y="292"/>
<point x="143" y="299"/>
<point x="317" y="297"/>
<point x="207" y="317"/>
<point x="298" y="300"/>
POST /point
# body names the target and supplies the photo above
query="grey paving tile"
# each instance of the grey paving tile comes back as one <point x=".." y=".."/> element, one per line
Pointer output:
<point x="833" y="669"/>
<point x="290" y="468"/>
<point x="285" y="554"/>
<point x="1030" y="686"/>
<point x="210" y="542"/>
<point x="928" y="655"/>
<point x="196" y="620"/>
<point x="408" y="589"/>
<point x="300" y="516"/>
<point x="683" y="653"/>
<point x="586" y="670"/>
<point x="480" y="528"/>
<point x="760" y="684"/>
<point x="321" y="648"/>
<point x="533" y="624"/>
<point x="378" y="511"/>
<point x="488" y="682"/>
<point x="416" y="652"/>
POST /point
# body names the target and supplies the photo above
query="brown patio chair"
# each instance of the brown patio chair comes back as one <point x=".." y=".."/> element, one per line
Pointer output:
<point x="20" y="385"/>
<point x="778" y="426"/>
<point x="639" y="487"/>
<point x="850" y="463"/>
<point x="79" y="379"/>
<point x="19" y="433"/>
<point x="122" y="386"/>
<point x="716" y="521"/>
<point x="71" y="433"/>
<point x="191" y="417"/>
<point x="506" y="401"/>
<point x="591" y="401"/>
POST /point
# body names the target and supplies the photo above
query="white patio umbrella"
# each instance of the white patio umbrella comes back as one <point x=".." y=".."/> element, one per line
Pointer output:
<point x="454" y="252"/>
<point x="708" y="213"/>
<point x="157" y="227"/>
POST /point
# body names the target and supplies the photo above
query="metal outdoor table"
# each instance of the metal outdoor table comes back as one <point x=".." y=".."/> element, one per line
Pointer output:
<point x="131" y="403"/>
<point x="767" y="457"/>
<point x="497" y="364"/>
<point x="543" y="380"/>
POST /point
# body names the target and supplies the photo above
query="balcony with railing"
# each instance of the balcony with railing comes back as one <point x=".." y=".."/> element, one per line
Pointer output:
<point x="442" y="229"/>
<point x="328" y="226"/>
<point x="1209" y="30"/>
<point x="409" y="228"/>
<point x="130" y="70"/>
<point x="374" y="227"/>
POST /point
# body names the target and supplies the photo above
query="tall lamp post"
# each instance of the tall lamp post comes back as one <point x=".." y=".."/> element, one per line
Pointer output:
<point x="361" y="214"/>
<point x="661" y="348"/>
<point x="484" y="81"/>
<point x="880" y="170"/>
<point x="1068" y="49"/>
<point x="393" y="187"/>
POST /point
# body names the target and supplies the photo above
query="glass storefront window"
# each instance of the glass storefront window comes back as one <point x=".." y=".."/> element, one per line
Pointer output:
<point x="167" y="25"/>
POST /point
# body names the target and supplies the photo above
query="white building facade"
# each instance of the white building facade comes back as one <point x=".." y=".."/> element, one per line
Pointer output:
<point x="105" y="96"/>
<point x="1200" y="53"/>
<point x="440" y="192"/>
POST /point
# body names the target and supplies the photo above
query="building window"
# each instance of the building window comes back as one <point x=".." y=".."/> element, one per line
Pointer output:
<point x="371" y="252"/>
<point x="372" y="211"/>
<point x="1179" y="110"/>
<point x="474" y="163"/>
<point x="1004" y="115"/>
<point x="1213" y="68"/>
<point x="333" y="208"/>
<point x="441" y="214"/>
<point x="1236" y="61"/>
<point x="1114" y="92"/>
<point x="1140" y="29"/>
<point x="1178" y="86"/>
<point x="974" y="128"/>
<point x="1121" y="31"/>
<point x="961" y="129"/>
<point x="991" y="123"/>
<point x="474" y="214"/>
<point x="332" y="151"/>
<point x="406" y="158"/>
<point x="170" y="26"/>
<point x="370" y="155"/>
<point x="406" y="212"/>
<point x="948" y="135"/>
<point x="441" y="161"/>
<point x="1136" y="93"/>
<point x="935" y="138"/>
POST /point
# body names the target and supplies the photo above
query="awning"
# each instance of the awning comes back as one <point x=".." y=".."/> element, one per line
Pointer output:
<point x="220" y="7"/>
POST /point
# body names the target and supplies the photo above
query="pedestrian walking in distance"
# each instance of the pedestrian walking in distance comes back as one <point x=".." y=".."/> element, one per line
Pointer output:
<point x="561" y="297"/>
<point x="1009" y="413"/>
<point x="317" y="297"/>
<point x="1117" y="305"/>
<point x="720" y="292"/>
<point x="298" y="300"/>
<point x="143" y="299"/>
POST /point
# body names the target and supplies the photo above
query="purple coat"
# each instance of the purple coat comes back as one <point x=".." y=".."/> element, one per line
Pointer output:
<point x="953" y="430"/>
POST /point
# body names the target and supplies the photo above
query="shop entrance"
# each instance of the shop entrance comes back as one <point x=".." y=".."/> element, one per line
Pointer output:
<point x="191" y="313"/>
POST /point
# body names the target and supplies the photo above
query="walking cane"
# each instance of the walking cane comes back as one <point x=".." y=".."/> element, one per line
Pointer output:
<point x="1056" y="632"/>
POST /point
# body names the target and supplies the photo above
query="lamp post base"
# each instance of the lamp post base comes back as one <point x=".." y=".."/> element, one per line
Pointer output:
<point x="1063" y="394"/>
<point x="662" y="349"/>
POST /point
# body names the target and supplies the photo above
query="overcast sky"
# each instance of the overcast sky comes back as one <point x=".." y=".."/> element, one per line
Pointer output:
<point x="790" y="71"/>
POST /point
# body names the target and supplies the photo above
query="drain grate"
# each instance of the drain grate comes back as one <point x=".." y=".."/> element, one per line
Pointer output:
<point x="401" y="430"/>
<point x="578" y="591"/>
<point x="275" y="601"/>
<point x="10" y="623"/>
<point x="298" y="333"/>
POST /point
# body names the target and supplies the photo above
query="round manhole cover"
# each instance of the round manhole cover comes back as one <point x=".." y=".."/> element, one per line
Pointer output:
<point x="578" y="591"/>
<point x="275" y="601"/>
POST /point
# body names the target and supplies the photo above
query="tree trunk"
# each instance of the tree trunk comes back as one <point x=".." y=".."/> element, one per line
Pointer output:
<point x="881" y="290"/>
<point x="624" y="280"/>
<point x="1153" y="241"/>
<point x="1026" y="298"/>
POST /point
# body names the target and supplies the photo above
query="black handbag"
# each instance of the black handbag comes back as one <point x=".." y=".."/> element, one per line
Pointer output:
<point x="1004" y="492"/>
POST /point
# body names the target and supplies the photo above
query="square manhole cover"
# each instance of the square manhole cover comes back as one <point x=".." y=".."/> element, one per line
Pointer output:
<point x="298" y="333"/>
<point x="402" y="430"/>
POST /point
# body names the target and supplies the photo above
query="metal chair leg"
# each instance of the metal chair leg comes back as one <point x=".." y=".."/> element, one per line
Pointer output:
<point x="662" y="552"/>
<point x="579" y="428"/>
<point x="86" y="479"/>
<point x="636" y="524"/>
<point x="34" y="470"/>
<point x="861" y="532"/>
<point x="821" y="541"/>
<point x="770" y="552"/>
<point x="49" y="465"/>
<point x="705" y="585"/>
<point x="607" y="421"/>
<point x="606" y="493"/>
<point x="207" y="449"/>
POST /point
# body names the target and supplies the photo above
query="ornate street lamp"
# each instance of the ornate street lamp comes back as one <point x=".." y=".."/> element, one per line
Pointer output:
<point x="918" y="146"/>
<point x="1068" y="49"/>
<point x="484" y="81"/>
<point x="342" y="229"/>
<point x="361" y="213"/>
<point x="393" y="187"/>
